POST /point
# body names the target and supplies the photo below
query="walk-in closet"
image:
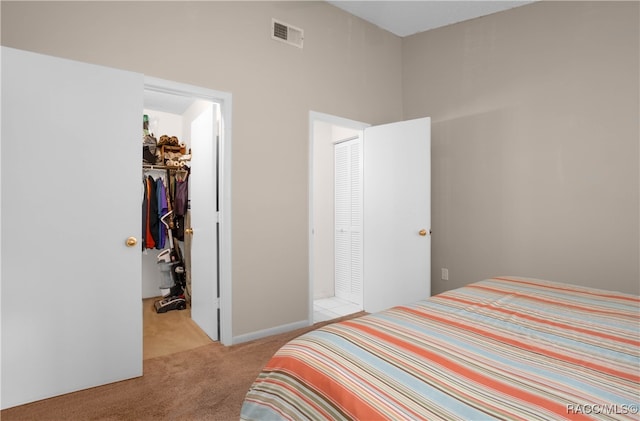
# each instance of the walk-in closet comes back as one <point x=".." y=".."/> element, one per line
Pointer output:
<point x="179" y="168"/>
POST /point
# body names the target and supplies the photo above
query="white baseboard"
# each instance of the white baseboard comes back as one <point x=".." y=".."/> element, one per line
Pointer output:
<point x="271" y="331"/>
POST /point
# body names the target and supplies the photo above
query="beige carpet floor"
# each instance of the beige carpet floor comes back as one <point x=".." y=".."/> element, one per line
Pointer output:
<point x="205" y="383"/>
<point x="170" y="332"/>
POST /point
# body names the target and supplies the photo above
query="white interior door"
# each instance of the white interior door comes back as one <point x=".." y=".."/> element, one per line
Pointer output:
<point x="204" y="222"/>
<point x="71" y="195"/>
<point x="348" y="220"/>
<point x="397" y="213"/>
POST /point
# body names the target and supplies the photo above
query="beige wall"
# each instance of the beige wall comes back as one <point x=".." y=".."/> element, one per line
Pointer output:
<point x="534" y="111"/>
<point x="535" y="143"/>
<point x="323" y="211"/>
<point x="347" y="68"/>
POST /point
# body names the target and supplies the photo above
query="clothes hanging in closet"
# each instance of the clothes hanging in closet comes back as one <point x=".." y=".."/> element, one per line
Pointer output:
<point x="145" y="213"/>
<point x="161" y="196"/>
<point x="182" y="196"/>
<point x="150" y="227"/>
<point x="181" y="204"/>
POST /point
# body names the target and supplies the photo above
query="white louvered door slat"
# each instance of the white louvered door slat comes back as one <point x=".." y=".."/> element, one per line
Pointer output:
<point x="356" y="221"/>
<point x="356" y="183"/>
<point x="342" y="220"/>
<point x="348" y="221"/>
<point x="356" y="267"/>
<point x="342" y="201"/>
<point x="342" y="264"/>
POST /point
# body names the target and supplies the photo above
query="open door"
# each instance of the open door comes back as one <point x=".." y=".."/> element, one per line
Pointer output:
<point x="71" y="197"/>
<point x="204" y="222"/>
<point x="397" y="213"/>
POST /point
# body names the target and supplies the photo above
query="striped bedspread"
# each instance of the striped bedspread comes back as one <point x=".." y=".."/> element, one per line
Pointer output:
<point x="502" y="348"/>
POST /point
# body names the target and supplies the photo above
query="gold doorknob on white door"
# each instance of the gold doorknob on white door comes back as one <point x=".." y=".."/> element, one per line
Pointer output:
<point x="189" y="231"/>
<point x="131" y="241"/>
<point x="422" y="232"/>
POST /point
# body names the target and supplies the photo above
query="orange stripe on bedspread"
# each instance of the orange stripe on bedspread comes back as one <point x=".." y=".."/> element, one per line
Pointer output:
<point x="548" y="301"/>
<point x="543" y="321"/>
<point x="572" y="289"/>
<point x="297" y="393"/>
<point x="461" y="370"/>
<point x="326" y="386"/>
<point x="522" y="345"/>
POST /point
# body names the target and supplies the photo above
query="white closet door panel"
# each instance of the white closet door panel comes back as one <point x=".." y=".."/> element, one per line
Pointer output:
<point x="356" y="267"/>
<point x="342" y="247"/>
<point x="342" y="264"/>
<point x="397" y="206"/>
<point x="356" y="220"/>
<point x="204" y="220"/>
<point x="355" y="176"/>
<point x="348" y="216"/>
<point x="71" y="195"/>
<point x="342" y="186"/>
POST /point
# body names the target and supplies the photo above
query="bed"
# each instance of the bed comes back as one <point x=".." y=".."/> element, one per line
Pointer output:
<point x="502" y="348"/>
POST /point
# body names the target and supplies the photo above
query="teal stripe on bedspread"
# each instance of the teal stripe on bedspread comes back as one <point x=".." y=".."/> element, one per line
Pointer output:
<point x="504" y="348"/>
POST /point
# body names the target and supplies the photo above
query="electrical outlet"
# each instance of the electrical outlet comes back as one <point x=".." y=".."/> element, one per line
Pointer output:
<point x="445" y="274"/>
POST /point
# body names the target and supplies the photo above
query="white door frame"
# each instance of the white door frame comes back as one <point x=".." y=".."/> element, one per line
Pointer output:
<point x="224" y="100"/>
<point x="336" y="121"/>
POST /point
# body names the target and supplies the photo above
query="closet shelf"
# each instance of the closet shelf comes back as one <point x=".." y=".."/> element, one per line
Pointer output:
<point x="161" y="167"/>
<point x="174" y="148"/>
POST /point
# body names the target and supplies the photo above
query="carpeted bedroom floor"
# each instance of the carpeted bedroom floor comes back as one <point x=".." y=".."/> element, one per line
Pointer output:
<point x="207" y="382"/>
<point x="170" y="332"/>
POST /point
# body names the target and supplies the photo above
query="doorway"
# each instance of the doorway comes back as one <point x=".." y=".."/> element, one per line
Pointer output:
<point x="396" y="202"/>
<point x="190" y="124"/>
<point x="325" y="132"/>
<point x="200" y="118"/>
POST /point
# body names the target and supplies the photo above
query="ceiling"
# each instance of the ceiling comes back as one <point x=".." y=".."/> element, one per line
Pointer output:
<point x="405" y="18"/>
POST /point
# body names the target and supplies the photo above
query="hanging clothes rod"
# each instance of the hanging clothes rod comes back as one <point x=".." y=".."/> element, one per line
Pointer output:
<point x="147" y="167"/>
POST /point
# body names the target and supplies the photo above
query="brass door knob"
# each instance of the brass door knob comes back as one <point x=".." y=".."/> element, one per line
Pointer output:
<point x="422" y="232"/>
<point x="188" y="231"/>
<point x="131" y="241"/>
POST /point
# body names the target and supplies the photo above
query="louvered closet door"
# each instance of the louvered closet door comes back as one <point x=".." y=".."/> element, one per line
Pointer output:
<point x="348" y="220"/>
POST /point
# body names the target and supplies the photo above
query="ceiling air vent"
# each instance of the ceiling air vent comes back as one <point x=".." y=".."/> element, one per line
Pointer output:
<point x="286" y="33"/>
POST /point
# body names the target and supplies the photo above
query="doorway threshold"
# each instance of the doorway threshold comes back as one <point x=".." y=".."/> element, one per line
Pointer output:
<point x="332" y="308"/>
